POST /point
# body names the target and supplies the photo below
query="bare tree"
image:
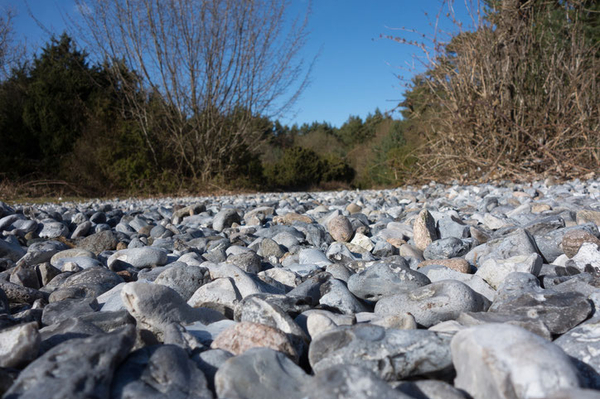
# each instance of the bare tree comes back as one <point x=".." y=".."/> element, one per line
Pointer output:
<point x="213" y="65"/>
<point x="5" y="40"/>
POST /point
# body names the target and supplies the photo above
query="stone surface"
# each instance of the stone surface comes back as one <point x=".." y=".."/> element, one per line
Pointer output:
<point x="19" y="345"/>
<point x="279" y="377"/>
<point x="162" y="371"/>
<point x="139" y="257"/>
<point x="495" y="271"/>
<point x="424" y="230"/>
<point x="340" y="228"/>
<point x="505" y="361"/>
<point x="247" y="335"/>
<point x="78" y="368"/>
<point x="385" y="279"/>
<point x="434" y="303"/>
<point x="390" y="354"/>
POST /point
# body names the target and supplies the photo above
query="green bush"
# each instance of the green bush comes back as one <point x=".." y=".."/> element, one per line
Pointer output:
<point x="298" y="168"/>
<point x="336" y="169"/>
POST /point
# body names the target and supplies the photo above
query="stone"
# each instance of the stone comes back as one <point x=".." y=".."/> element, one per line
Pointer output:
<point x="19" y="294"/>
<point x="247" y="335"/>
<point x="313" y="256"/>
<point x="249" y="262"/>
<point x="536" y="326"/>
<point x="588" y="216"/>
<point x="505" y="361"/>
<point x="99" y="242"/>
<point x="184" y="279"/>
<point x="11" y="250"/>
<point x="155" y="306"/>
<point x="65" y="330"/>
<point x="335" y="295"/>
<point x="222" y="291"/>
<point x="70" y="253"/>
<point x="494" y="271"/>
<point x="583" y="344"/>
<point x="351" y="381"/>
<point x="456" y="264"/>
<point x="340" y="228"/>
<point x="79" y="368"/>
<point x="139" y="257"/>
<point x="430" y="389"/>
<point x="390" y="354"/>
<point x="19" y="345"/>
<point x="433" y="303"/>
<point x="209" y="362"/>
<point x="225" y="218"/>
<point x="269" y="248"/>
<point x="446" y="248"/>
<point x="53" y="229"/>
<point x="385" y="279"/>
<point x="279" y="377"/>
<point x="56" y="312"/>
<point x="573" y="239"/>
<point x="161" y="371"/>
<point x="424" y="230"/>
<point x="549" y="244"/>
<point x="520" y="294"/>
<point x="363" y="242"/>
<point x="588" y="256"/>
<point x="517" y="243"/>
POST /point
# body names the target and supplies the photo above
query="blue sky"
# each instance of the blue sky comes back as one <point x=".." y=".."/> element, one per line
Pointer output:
<point x="355" y="72"/>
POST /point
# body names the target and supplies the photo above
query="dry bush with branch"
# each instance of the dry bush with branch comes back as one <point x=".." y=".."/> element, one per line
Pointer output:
<point x="204" y="68"/>
<point x="516" y="97"/>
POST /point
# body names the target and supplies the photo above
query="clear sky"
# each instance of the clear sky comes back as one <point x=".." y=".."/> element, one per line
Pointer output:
<point x="356" y="71"/>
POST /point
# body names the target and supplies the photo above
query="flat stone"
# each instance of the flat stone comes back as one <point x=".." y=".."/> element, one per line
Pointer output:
<point x="390" y="354"/>
<point x="139" y="257"/>
<point x="155" y="307"/>
<point x="433" y="303"/>
<point x="79" y="368"/>
<point x="279" y="377"/>
<point x="520" y="294"/>
<point x="457" y="264"/>
<point x="505" y="361"/>
<point x="247" y="335"/>
<point x="385" y="279"/>
<point x="518" y="243"/>
<point x="53" y="229"/>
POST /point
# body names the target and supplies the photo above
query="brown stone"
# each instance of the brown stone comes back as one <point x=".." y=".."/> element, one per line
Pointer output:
<point x="539" y="208"/>
<point x="291" y="217"/>
<point x="340" y="228"/>
<point x="353" y="208"/>
<point x="424" y="230"/>
<point x="588" y="216"/>
<point x="121" y="245"/>
<point x="246" y="335"/>
<point x="458" y="264"/>
<point x="572" y="241"/>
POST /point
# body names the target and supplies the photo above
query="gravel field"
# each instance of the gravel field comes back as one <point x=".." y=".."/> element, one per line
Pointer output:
<point x="438" y="292"/>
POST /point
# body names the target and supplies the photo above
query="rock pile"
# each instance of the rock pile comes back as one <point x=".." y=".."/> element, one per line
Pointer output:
<point x="430" y="292"/>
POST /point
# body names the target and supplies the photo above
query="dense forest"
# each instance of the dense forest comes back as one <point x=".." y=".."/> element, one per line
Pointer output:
<point x="515" y="97"/>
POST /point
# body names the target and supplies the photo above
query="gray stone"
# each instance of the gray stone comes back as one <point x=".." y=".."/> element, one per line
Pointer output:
<point x="477" y="284"/>
<point x="65" y="330"/>
<point x="42" y="252"/>
<point x="19" y="294"/>
<point x="82" y="230"/>
<point x="391" y="354"/>
<point x="163" y="371"/>
<point x="53" y="229"/>
<point x="430" y="389"/>
<point x="535" y="326"/>
<point x="225" y="218"/>
<point x="446" y="248"/>
<point x="139" y="257"/>
<point x="520" y="294"/>
<point x="19" y="345"/>
<point x="247" y="261"/>
<point x="335" y="295"/>
<point x="434" y="303"/>
<point x="588" y="256"/>
<point x="268" y="248"/>
<point x="505" y="361"/>
<point x="550" y="244"/>
<point x="183" y="278"/>
<point x="11" y="250"/>
<point x="385" y="279"/>
<point x="279" y="377"/>
<point x="312" y="256"/>
<point x="517" y="243"/>
<point x="56" y="312"/>
<point x="350" y="382"/>
<point x="209" y="362"/>
<point x="155" y="307"/>
<point x="79" y="368"/>
<point x="494" y="271"/>
<point x="583" y="344"/>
